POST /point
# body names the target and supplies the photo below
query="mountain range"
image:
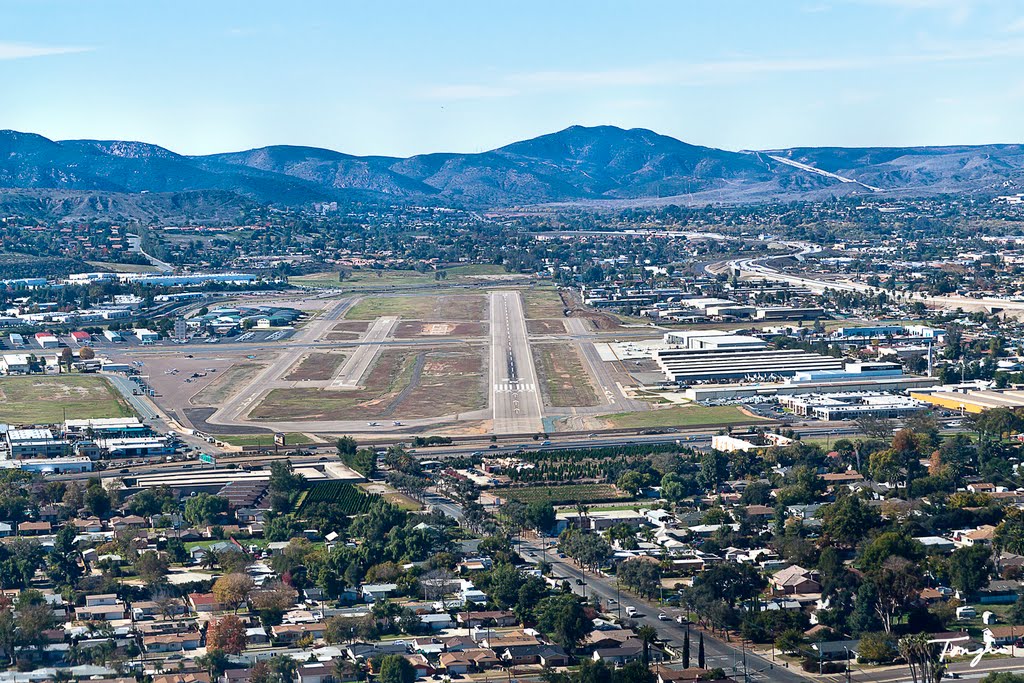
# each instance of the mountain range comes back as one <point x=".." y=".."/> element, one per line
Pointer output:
<point x="601" y="165"/>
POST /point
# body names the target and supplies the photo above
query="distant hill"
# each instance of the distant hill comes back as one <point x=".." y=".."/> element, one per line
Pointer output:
<point x="581" y="165"/>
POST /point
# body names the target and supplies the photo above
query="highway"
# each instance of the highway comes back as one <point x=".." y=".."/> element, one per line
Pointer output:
<point x="515" y="394"/>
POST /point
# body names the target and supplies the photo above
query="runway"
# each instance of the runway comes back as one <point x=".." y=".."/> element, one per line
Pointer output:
<point x="515" y="395"/>
<point x="351" y="373"/>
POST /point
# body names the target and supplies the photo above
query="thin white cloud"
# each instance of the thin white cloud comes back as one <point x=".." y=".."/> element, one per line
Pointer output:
<point x="714" y="72"/>
<point x="26" y="50"/>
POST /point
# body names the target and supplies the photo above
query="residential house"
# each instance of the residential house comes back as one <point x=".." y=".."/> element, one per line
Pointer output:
<point x="290" y="633"/>
<point x="795" y="579"/>
<point x="372" y="592"/>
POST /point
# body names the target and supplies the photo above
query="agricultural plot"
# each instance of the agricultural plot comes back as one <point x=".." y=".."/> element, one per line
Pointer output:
<point x="47" y="399"/>
<point x="403" y="383"/>
<point x="316" y="367"/>
<point x="350" y="499"/>
<point x="564" y="495"/>
<point x="564" y="380"/>
<point x="442" y="307"/>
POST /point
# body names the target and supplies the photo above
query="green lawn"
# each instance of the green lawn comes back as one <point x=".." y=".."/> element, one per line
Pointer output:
<point x="565" y="494"/>
<point x="682" y="416"/>
<point x="267" y="439"/>
<point x="47" y="399"/>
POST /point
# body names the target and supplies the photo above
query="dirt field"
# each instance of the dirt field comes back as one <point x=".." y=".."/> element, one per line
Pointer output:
<point x="564" y="380"/>
<point x="227" y="383"/>
<point x="542" y="303"/>
<point x="451" y="307"/>
<point x="545" y="327"/>
<point x="315" y="366"/>
<point x="413" y="330"/>
<point x="403" y="384"/>
<point x="44" y="399"/>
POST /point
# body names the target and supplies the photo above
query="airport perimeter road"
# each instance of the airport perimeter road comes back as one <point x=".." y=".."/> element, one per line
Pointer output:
<point x="352" y="371"/>
<point x="515" y="395"/>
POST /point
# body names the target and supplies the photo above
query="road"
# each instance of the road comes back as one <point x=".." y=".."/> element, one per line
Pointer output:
<point x="515" y="394"/>
<point x="718" y="653"/>
<point x="355" y="366"/>
<point x="759" y="267"/>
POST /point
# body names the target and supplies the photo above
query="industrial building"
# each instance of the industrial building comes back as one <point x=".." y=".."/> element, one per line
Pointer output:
<point x="134" y="447"/>
<point x="748" y="442"/>
<point x="112" y="335"/>
<point x="969" y="398"/>
<point x="45" y="340"/>
<point x="15" y="364"/>
<point x="82" y="338"/>
<point x="682" y="365"/>
<point x="146" y="336"/>
<point x="50" y="465"/>
<point x="16" y="340"/>
<point x="34" y="443"/>
<point x="852" y="405"/>
<point x="105" y="428"/>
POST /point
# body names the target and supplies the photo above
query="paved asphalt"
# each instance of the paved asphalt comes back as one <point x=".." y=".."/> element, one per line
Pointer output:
<point x="515" y="390"/>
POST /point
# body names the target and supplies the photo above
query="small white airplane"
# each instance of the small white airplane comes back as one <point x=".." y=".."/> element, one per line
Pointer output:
<point x="372" y="424"/>
<point x="397" y="423"/>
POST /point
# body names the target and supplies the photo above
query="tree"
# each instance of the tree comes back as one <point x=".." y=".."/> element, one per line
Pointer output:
<point x="562" y="617"/>
<point x="686" y="649"/>
<point x="86" y="353"/>
<point x="205" y="509"/>
<point x="540" y="516"/>
<point x="63" y="558"/>
<point x="232" y="590"/>
<point x="849" y="519"/>
<point x="152" y="568"/>
<point x="923" y="659"/>
<point x="647" y="635"/>
<point x="66" y="356"/>
<point x="215" y="662"/>
<point x="969" y="568"/>
<point x="396" y="669"/>
<point x="700" y="651"/>
<point x="34" y="617"/>
<point x="347" y="446"/>
<point x="791" y="640"/>
<point x="227" y="634"/>
<point x="876" y="648"/>
<point x="896" y="585"/>
<point x="714" y="468"/>
<point x="272" y="601"/>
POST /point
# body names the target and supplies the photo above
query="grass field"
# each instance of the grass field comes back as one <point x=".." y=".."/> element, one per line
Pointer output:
<point x="123" y="267"/>
<point x="232" y="379"/>
<point x="267" y="440"/>
<point x="316" y="366"/>
<point x="564" y="380"/>
<point x="358" y="280"/>
<point x="569" y="493"/>
<point x="681" y="416"/>
<point x="46" y="399"/>
<point x="545" y="327"/>
<point x="542" y="303"/>
<point x="403" y="383"/>
<point x="427" y="307"/>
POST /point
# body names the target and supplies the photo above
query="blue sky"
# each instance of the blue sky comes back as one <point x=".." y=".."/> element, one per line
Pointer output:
<point x="392" y="77"/>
